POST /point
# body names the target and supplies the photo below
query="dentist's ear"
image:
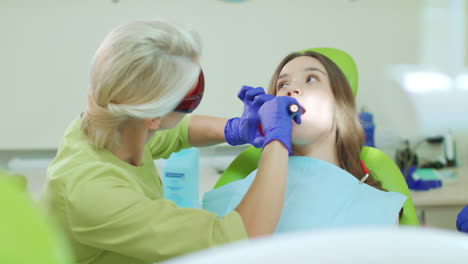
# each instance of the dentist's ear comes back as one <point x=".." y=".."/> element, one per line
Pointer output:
<point x="153" y="123"/>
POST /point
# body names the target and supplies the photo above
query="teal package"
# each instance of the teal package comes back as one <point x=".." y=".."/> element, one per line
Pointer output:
<point x="426" y="174"/>
<point x="318" y="195"/>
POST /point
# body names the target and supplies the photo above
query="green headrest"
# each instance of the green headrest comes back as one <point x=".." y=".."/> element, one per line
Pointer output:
<point x="344" y="61"/>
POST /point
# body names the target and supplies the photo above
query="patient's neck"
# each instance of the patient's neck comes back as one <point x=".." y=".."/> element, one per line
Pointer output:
<point x="323" y="149"/>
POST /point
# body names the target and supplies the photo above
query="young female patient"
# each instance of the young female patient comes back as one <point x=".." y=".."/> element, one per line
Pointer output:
<point x="328" y="185"/>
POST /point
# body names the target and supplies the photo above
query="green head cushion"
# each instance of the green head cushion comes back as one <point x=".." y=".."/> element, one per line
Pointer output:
<point x="344" y="61"/>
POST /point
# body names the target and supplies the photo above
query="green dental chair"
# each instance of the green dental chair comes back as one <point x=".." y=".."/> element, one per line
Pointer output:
<point x="382" y="167"/>
<point x="25" y="236"/>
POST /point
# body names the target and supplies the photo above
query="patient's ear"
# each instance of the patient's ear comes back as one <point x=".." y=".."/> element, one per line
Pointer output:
<point x="153" y="123"/>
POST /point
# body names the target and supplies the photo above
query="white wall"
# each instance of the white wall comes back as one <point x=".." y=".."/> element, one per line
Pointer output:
<point x="47" y="46"/>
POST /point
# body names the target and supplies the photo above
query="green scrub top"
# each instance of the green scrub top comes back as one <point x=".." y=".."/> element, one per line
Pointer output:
<point x="113" y="212"/>
<point x="25" y="236"/>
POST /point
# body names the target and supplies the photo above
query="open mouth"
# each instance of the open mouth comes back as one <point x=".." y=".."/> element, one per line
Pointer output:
<point x="294" y="108"/>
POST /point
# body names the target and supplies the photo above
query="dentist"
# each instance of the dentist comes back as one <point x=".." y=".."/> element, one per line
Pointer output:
<point x="103" y="189"/>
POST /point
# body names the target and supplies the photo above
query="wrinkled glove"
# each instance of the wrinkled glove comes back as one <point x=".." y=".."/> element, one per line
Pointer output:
<point x="276" y="120"/>
<point x="462" y="220"/>
<point x="244" y="130"/>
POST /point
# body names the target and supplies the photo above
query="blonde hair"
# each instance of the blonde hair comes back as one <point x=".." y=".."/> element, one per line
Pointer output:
<point x="142" y="69"/>
<point x="350" y="136"/>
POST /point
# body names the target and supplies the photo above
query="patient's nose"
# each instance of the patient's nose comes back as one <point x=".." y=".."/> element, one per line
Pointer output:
<point x="294" y="90"/>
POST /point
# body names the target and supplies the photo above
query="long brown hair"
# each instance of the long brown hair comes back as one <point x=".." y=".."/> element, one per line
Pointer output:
<point x="350" y="136"/>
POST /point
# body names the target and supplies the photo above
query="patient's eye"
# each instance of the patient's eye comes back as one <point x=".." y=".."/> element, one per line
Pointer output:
<point x="312" y="79"/>
<point x="281" y="86"/>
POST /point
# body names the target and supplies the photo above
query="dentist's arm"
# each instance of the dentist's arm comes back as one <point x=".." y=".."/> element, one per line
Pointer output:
<point x="261" y="207"/>
<point x="208" y="130"/>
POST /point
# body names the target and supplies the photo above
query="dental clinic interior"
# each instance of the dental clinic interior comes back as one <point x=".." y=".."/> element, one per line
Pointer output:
<point x="403" y="66"/>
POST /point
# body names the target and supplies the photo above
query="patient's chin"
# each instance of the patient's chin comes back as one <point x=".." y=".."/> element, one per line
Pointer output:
<point x="301" y="141"/>
<point x="303" y="137"/>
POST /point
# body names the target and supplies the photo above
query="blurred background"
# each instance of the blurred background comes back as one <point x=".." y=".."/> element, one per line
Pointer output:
<point x="411" y="57"/>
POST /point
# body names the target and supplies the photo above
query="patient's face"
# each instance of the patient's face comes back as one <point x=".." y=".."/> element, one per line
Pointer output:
<point x="306" y="79"/>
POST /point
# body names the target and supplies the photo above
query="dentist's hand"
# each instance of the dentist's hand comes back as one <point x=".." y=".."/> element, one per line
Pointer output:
<point x="276" y="120"/>
<point x="243" y="130"/>
<point x="462" y="220"/>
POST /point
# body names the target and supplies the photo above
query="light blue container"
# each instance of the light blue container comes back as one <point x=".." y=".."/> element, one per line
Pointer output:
<point x="181" y="178"/>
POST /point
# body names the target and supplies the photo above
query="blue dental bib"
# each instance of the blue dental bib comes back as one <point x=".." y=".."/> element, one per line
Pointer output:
<point x="318" y="195"/>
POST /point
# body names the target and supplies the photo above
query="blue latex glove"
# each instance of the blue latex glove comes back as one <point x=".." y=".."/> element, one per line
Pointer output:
<point x="276" y="120"/>
<point x="244" y="130"/>
<point x="462" y="220"/>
